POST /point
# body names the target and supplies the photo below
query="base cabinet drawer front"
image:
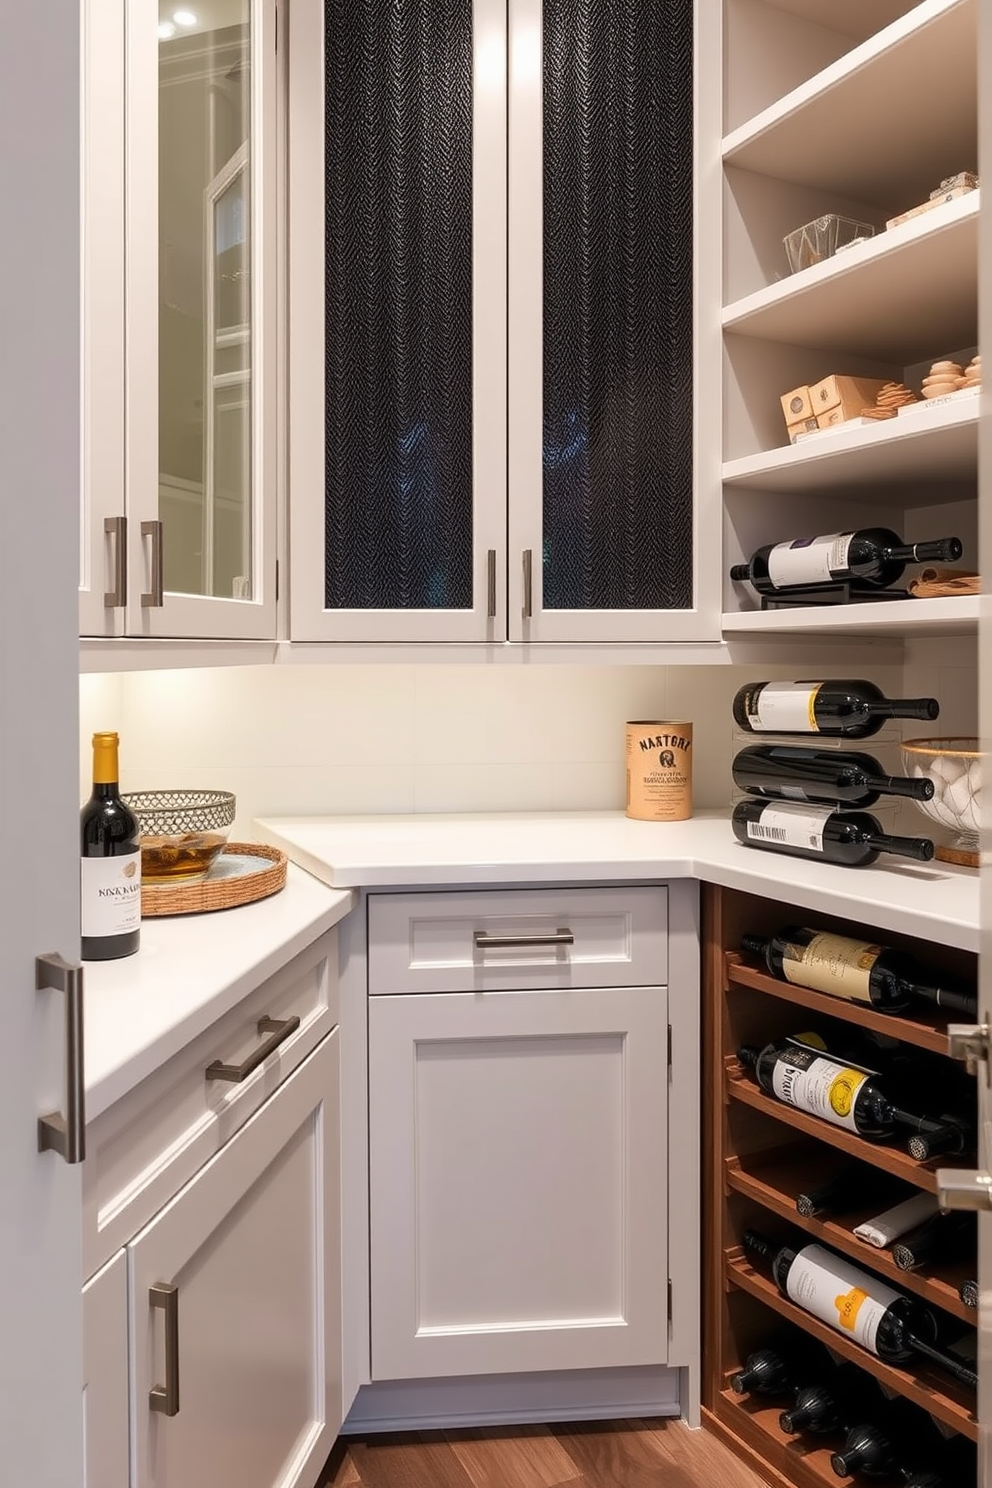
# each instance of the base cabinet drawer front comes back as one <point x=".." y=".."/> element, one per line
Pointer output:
<point x="471" y="941"/>
<point x="518" y="1181"/>
<point x="105" y="1376"/>
<point x="251" y="1246"/>
<point x="144" y="1148"/>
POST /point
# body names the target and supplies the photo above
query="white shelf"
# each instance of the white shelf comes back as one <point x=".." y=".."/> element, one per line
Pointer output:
<point x="855" y="18"/>
<point x="957" y="615"/>
<point x="895" y="111"/>
<point x="904" y="296"/>
<point x="901" y="456"/>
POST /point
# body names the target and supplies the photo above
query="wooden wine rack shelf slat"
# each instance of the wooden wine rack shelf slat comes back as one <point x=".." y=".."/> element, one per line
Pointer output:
<point x="801" y="1459"/>
<point x="775" y="1185"/>
<point x="889" y="1159"/>
<point x="943" y="1397"/>
<point x="924" y="1033"/>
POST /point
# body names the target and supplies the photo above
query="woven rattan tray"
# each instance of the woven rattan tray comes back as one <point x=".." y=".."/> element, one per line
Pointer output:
<point x="244" y="872"/>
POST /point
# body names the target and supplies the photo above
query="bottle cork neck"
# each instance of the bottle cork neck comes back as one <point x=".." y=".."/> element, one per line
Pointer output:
<point x="106" y="770"/>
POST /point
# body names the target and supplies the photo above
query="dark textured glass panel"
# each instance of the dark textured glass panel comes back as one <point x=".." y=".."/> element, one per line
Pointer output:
<point x="398" y="530"/>
<point x="617" y="304"/>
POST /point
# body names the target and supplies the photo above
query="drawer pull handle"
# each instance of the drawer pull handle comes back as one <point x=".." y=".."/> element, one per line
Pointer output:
<point x="64" y="1132"/>
<point x="561" y="936"/>
<point x="279" y="1029"/>
<point x="165" y="1398"/>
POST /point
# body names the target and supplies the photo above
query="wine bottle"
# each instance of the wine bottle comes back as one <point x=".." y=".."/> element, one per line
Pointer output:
<point x="867" y="1449"/>
<point x="936" y="1134"/>
<point x="855" y="970"/>
<point x="847" y="709"/>
<point x="765" y="1372"/>
<point x="968" y="1292"/>
<point x="922" y="1479"/>
<point x="871" y="558"/>
<point x="817" y="1408"/>
<point x="945" y="1236"/>
<point x="884" y="1322"/>
<point x="110" y="866"/>
<point x="807" y="1078"/>
<point x="846" y="1189"/>
<point x="852" y="839"/>
<point x="836" y="777"/>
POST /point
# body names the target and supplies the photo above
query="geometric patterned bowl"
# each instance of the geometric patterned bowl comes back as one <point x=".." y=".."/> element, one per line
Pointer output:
<point x="182" y="832"/>
<point x="955" y="767"/>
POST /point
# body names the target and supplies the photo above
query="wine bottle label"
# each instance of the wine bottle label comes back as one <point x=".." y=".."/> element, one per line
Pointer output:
<point x="833" y="964"/>
<point x="792" y="826"/>
<point x="110" y="894"/>
<point x="783" y="708"/>
<point x="822" y="1087"/>
<point x="809" y="560"/>
<point x="899" y="1220"/>
<point x="827" y="1287"/>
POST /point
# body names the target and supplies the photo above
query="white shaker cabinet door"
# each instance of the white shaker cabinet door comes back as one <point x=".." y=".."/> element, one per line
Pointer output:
<point x="518" y="1181"/>
<point x="105" y="1376"/>
<point x="235" y="1302"/>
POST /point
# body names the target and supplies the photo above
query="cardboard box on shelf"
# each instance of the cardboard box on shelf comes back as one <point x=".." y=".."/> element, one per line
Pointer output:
<point x="796" y="405"/>
<point x="802" y="426"/>
<point x="838" y="397"/>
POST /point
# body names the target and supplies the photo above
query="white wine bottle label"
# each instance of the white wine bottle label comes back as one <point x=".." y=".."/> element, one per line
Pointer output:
<point x="809" y="560"/>
<point x="791" y="826"/>
<point x="784" y="708"/>
<point x="110" y="894"/>
<point x="833" y="964"/>
<point x="899" y="1220"/>
<point x="839" y="1294"/>
<point x="821" y="1087"/>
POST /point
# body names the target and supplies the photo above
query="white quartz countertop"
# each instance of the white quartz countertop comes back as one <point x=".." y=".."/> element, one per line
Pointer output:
<point x="189" y="971"/>
<point x="936" y="901"/>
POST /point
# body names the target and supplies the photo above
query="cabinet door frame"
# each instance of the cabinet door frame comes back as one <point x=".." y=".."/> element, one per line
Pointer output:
<point x="105" y="1385"/>
<point x="532" y="622"/>
<point x="640" y="1336"/>
<point x="102" y="426"/>
<point x="309" y="619"/>
<point x="183" y="615"/>
<point x="160" y="1251"/>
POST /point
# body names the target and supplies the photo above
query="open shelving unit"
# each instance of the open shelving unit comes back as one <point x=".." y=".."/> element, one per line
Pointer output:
<point x="816" y="120"/>
<point x="761" y="1153"/>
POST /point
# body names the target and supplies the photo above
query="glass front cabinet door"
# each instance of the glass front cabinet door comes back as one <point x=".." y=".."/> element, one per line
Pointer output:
<point x="492" y="323"/>
<point x="189" y="549"/>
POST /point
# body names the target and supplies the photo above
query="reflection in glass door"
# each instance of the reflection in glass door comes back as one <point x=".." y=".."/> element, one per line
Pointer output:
<point x="205" y="299"/>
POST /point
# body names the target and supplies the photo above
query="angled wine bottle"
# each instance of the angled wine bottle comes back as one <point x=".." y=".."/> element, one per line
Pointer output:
<point x="856" y="970"/>
<point x="788" y="772"/>
<point x="765" y="1372"/>
<point x="870" y="558"/>
<point x="850" y="708"/>
<point x="881" y="1320"/>
<point x="851" y="839"/>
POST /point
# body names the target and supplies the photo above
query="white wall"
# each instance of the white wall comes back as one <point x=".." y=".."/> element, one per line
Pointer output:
<point x="355" y="739"/>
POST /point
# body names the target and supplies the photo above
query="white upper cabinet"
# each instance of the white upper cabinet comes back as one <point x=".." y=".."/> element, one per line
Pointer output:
<point x="492" y="321"/>
<point x="180" y="361"/>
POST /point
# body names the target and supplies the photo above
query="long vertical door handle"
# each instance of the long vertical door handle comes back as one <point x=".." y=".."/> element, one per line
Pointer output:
<point x="64" y="1132"/>
<point x="528" y="564"/>
<point x="116" y="530"/>
<point x="153" y="598"/>
<point x="491" y="581"/>
<point x="165" y="1398"/>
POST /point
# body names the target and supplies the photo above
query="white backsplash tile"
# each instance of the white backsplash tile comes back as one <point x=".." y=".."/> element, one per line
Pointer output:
<point x="357" y="740"/>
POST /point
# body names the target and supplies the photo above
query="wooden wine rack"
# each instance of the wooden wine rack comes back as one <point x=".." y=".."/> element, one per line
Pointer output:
<point x="761" y="1153"/>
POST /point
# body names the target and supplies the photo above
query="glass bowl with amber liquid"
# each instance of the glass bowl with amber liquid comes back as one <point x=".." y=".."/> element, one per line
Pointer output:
<point x="182" y="833"/>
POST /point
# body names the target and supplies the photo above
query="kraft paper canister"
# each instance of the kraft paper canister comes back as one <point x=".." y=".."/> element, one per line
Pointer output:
<point x="659" y="770"/>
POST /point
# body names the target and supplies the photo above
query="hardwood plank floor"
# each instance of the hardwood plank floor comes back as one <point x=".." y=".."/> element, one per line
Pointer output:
<point x="600" y="1454"/>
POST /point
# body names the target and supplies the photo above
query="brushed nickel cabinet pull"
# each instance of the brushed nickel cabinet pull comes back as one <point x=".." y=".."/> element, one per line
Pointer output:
<point x="528" y="606"/>
<point x="116" y="529"/>
<point x="65" y="1133"/>
<point x="280" y="1030"/>
<point x="165" y="1398"/>
<point x="491" y="577"/>
<point x="153" y="598"/>
<point x="561" y="936"/>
